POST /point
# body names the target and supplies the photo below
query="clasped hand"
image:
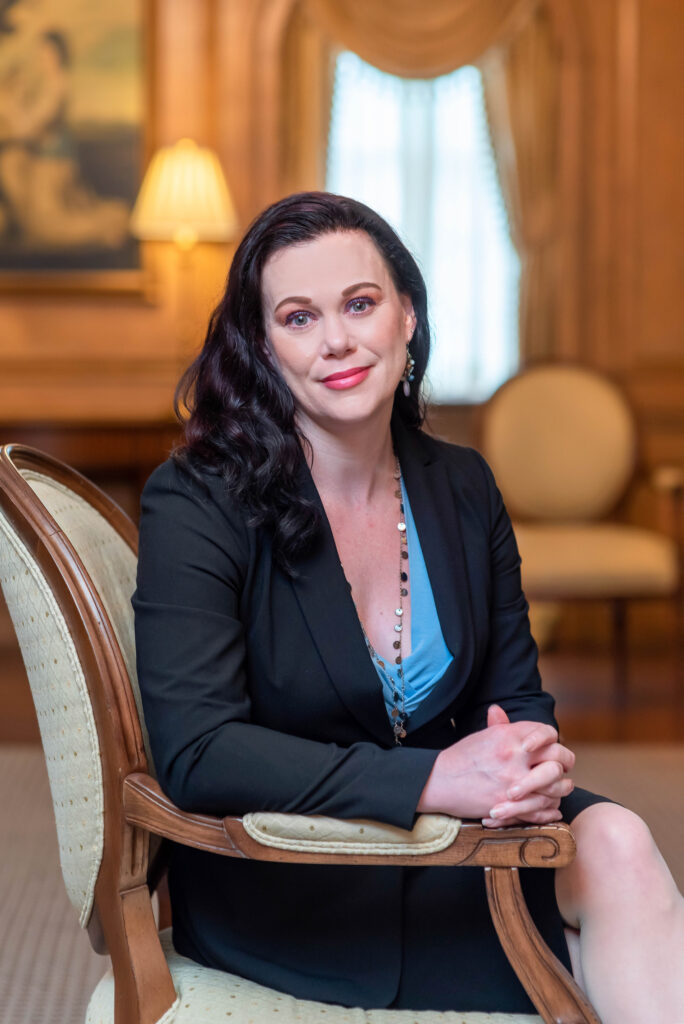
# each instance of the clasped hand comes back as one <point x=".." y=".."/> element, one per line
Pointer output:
<point x="508" y="774"/>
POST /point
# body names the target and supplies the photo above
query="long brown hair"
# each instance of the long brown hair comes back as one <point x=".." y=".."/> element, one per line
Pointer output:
<point x="241" y="420"/>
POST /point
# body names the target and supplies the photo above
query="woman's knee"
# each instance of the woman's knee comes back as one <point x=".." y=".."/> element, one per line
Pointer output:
<point x="609" y="832"/>
<point x="617" y="863"/>
<point x="615" y="845"/>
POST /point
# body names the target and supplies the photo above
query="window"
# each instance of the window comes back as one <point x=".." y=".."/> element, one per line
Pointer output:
<point x="419" y="153"/>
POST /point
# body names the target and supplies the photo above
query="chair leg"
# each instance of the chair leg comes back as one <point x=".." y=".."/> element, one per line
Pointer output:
<point x="143" y="987"/>
<point x="620" y="670"/>
<point x="554" y="992"/>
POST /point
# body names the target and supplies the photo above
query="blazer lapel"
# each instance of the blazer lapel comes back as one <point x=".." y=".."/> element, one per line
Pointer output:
<point x="324" y="596"/>
<point x="434" y="504"/>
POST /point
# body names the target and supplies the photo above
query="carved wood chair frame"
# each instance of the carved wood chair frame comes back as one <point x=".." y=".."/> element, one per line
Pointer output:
<point x="135" y="808"/>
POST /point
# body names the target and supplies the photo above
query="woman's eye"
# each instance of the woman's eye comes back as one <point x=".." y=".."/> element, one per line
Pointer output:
<point x="299" y="319"/>
<point x="360" y="305"/>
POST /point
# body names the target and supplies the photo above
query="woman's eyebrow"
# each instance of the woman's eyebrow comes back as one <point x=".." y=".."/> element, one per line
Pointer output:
<point x="346" y="291"/>
<point x="361" y="284"/>
<point x="293" y="298"/>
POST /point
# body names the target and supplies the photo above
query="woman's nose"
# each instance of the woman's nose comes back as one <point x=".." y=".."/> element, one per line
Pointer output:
<point x="336" y="338"/>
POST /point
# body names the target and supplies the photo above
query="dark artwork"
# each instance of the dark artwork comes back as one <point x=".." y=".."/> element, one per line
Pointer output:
<point x="71" y="86"/>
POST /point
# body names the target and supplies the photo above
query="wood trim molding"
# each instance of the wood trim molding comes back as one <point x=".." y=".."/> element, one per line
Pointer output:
<point x="627" y="255"/>
<point x="268" y="67"/>
<point x="570" y="319"/>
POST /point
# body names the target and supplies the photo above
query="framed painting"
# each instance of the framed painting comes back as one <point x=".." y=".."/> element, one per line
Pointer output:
<point x="75" y="99"/>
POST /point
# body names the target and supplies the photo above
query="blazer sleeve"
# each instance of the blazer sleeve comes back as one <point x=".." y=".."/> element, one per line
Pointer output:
<point x="509" y="675"/>
<point x="209" y="755"/>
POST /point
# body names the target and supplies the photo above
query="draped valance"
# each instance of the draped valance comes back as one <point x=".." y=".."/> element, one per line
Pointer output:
<point x="515" y="45"/>
<point x="417" y="39"/>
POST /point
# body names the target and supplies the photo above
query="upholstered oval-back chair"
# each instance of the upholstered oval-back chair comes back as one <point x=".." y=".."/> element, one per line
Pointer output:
<point x="67" y="568"/>
<point x="562" y="442"/>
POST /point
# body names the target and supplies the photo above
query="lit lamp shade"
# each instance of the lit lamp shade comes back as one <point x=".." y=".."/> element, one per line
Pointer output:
<point x="184" y="198"/>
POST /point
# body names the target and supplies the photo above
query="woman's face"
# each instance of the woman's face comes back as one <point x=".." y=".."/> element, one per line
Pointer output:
<point x="337" y="327"/>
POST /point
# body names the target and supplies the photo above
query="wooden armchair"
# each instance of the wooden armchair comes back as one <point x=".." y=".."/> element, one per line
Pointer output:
<point x="67" y="568"/>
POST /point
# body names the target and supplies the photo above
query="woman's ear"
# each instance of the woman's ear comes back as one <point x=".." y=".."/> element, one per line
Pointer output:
<point x="411" y="322"/>
<point x="410" y="318"/>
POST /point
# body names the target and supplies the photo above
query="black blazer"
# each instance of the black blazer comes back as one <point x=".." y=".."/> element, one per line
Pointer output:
<point x="259" y="694"/>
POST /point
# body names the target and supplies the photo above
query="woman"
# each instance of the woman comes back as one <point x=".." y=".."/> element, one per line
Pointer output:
<point x="329" y="620"/>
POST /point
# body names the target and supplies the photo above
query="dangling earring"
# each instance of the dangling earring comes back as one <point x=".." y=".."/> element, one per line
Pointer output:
<point x="408" y="377"/>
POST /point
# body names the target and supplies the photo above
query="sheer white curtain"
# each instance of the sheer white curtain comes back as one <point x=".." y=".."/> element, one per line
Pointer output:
<point x="419" y="153"/>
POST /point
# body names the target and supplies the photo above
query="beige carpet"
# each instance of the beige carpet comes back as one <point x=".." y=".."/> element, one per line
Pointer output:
<point x="47" y="968"/>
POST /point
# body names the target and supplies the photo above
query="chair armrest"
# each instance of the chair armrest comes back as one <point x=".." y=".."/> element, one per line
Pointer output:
<point x="146" y="806"/>
<point x="551" y="988"/>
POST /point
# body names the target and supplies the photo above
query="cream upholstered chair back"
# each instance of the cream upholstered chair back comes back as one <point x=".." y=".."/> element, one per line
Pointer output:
<point x="561" y="441"/>
<point x="64" y="713"/>
<point x="44" y="522"/>
<point x="107" y="559"/>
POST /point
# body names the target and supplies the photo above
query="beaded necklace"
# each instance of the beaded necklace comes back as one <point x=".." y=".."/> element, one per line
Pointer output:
<point x="398" y="713"/>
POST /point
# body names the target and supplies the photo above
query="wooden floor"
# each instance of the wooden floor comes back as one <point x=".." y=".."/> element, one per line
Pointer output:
<point x="580" y="682"/>
<point x="583" y="686"/>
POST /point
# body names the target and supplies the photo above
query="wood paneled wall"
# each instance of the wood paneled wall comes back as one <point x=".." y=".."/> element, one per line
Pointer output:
<point x="218" y="72"/>
<point x="68" y="361"/>
<point x="633" y="214"/>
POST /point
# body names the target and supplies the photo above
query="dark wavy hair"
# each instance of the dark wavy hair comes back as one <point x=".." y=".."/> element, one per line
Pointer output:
<point x="241" y="421"/>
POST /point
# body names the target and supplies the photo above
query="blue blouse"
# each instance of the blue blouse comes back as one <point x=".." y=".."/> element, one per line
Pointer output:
<point x="430" y="657"/>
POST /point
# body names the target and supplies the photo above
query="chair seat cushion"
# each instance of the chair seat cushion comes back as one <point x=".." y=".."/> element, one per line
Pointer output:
<point x="595" y="560"/>
<point x="210" y="997"/>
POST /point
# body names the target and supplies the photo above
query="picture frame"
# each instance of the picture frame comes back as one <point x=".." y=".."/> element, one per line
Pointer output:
<point x="76" y="109"/>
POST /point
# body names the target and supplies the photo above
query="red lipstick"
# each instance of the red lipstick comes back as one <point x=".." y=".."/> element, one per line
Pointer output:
<point x="346" y="378"/>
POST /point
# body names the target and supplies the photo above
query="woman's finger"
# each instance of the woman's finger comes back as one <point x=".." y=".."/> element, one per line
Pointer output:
<point x="496" y="716"/>
<point x="543" y="775"/>
<point x="563" y="787"/>
<point x="516" y="808"/>
<point x="555" y="752"/>
<point x="541" y="817"/>
<point x="540" y="736"/>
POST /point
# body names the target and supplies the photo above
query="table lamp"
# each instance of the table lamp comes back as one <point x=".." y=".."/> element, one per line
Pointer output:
<point x="184" y="199"/>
